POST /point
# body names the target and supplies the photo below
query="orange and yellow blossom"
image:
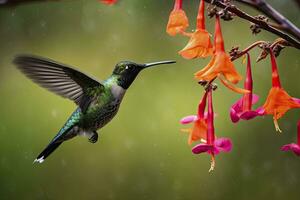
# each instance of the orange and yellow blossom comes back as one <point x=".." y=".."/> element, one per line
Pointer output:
<point x="199" y="45"/>
<point x="278" y="101"/>
<point x="178" y="20"/>
<point x="197" y="132"/>
<point x="199" y="129"/>
<point x="220" y="65"/>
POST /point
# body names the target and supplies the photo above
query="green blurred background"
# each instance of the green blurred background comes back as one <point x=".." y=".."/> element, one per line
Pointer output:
<point x="141" y="154"/>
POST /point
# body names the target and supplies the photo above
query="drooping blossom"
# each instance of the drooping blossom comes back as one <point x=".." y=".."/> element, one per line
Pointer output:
<point x="199" y="129"/>
<point x="278" y="101"/>
<point x="212" y="145"/>
<point x="242" y="109"/>
<point x="108" y="2"/>
<point x="293" y="146"/>
<point x="199" y="45"/>
<point x="220" y="65"/>
<point x="178" y="20"/>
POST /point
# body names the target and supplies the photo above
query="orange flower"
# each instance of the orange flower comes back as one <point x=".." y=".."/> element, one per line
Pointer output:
<point x="199" y="129"/>
<point x="198" y="132"/>
<point x="278" y="101"/>
<point x="199" y="45"/>
<point x="178" y="20"/>
<point x="220" y="65"/>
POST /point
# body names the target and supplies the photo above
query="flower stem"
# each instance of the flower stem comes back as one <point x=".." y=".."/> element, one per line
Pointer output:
<point x="210" y="120"/>
<point x="202" y="105"/>
<point x="243" y="52"/>
<point x="178" y="5"/>
<point x="200" y="16"/>
<point x="298" y="133"/>
<point x="248" y="85"/>
<point x="275" y="75"/>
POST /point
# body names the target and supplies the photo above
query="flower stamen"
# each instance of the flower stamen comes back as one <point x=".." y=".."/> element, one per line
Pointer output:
<point x="212" y="163"/>
<point x="277" y="128"/>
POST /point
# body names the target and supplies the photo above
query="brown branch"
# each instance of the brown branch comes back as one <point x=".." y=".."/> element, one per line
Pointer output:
<point x="262" y="24"/>
<point x="235" y="54"/>
<point x="298" y="2"/>
<point x="268" y="10"/>
<point x="17" y="2"/>
<point x="246" y="50"/>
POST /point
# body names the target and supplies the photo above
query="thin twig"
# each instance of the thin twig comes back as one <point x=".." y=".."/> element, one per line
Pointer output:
<point x="17" y="2"/>
<point x="246" y="50"/>
<point x="262" y="24"/>
<point x="258" y="43"/>
<point x="298" y="2"/>
<point x="268" y="10"/>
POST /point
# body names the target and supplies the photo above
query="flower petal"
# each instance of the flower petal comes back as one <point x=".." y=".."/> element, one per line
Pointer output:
<point x="236" y="110"/>
<point x="255" y="98"/>
<point x="177" y="23"/>
<point x="109" y="2"/>
<point x="232" y="87"/>
<point x="247" y="115"/>
<point x="234" y="115"/>
<point x="237" y="106"/>
<point x="296" y="100"/>
<point x="261" y="111"/>
<point x="279" y="102"/>
<point x="201" y="148"/>
<point x="291" y="147"/>
<point x="188" y="119"/>
<point x="223" y="144"/>
<point x="199" y="45"/>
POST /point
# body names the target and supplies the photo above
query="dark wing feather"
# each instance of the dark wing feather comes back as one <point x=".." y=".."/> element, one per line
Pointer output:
<point x="58" y="78"/>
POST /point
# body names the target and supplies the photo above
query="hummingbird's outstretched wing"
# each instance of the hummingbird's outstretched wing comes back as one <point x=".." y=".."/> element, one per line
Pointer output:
<point x="60" y="79"/>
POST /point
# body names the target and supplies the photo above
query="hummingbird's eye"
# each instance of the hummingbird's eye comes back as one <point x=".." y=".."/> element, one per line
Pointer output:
<point x="126" y="67"/>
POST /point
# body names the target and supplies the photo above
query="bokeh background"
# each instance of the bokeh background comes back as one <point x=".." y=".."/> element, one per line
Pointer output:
<point x="141" y="154"/>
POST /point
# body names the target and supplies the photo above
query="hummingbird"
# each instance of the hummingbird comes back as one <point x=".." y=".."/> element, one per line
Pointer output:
<point x="98" y="102"/>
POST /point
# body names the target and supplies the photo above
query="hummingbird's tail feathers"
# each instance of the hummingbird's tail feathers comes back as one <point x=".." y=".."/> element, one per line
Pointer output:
<point x="65" y="133"/>
<point x="47" y="151"/>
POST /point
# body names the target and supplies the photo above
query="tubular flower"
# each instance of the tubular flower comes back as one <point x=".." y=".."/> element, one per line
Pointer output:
<point x="108" y="2"/>
<point x="199" y="45"/>
<point x="178" y="20"/>
<point x="242" y="109"/>
<point x="278" y="101"/>
<point x="294" y="147"/>
<point x="220" y="65"/>
<point x="199" y="129"/>
<point x="212" y="145"/>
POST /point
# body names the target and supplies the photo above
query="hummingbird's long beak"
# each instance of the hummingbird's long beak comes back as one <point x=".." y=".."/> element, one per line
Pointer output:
<point x="158" y="63"/>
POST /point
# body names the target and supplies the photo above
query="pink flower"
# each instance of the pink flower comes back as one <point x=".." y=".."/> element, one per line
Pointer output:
<point x="242" y="109"/>
<point x="211" y="145"/>
<point x="294" y="147"/>
<point x="220" y="145"/>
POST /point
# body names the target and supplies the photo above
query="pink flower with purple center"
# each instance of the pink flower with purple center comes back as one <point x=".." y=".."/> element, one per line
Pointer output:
<point x="242" y="109"/>
<point x="293" y="146"/>
<point x="220" y="145"/>
<point x="237" y="110"/>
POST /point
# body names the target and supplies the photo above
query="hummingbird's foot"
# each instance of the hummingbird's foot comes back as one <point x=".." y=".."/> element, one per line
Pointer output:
<point x="94" y="137"/>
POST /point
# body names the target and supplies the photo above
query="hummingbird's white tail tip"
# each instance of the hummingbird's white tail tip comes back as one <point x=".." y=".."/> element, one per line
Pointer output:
<point x="40" y="160"/>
